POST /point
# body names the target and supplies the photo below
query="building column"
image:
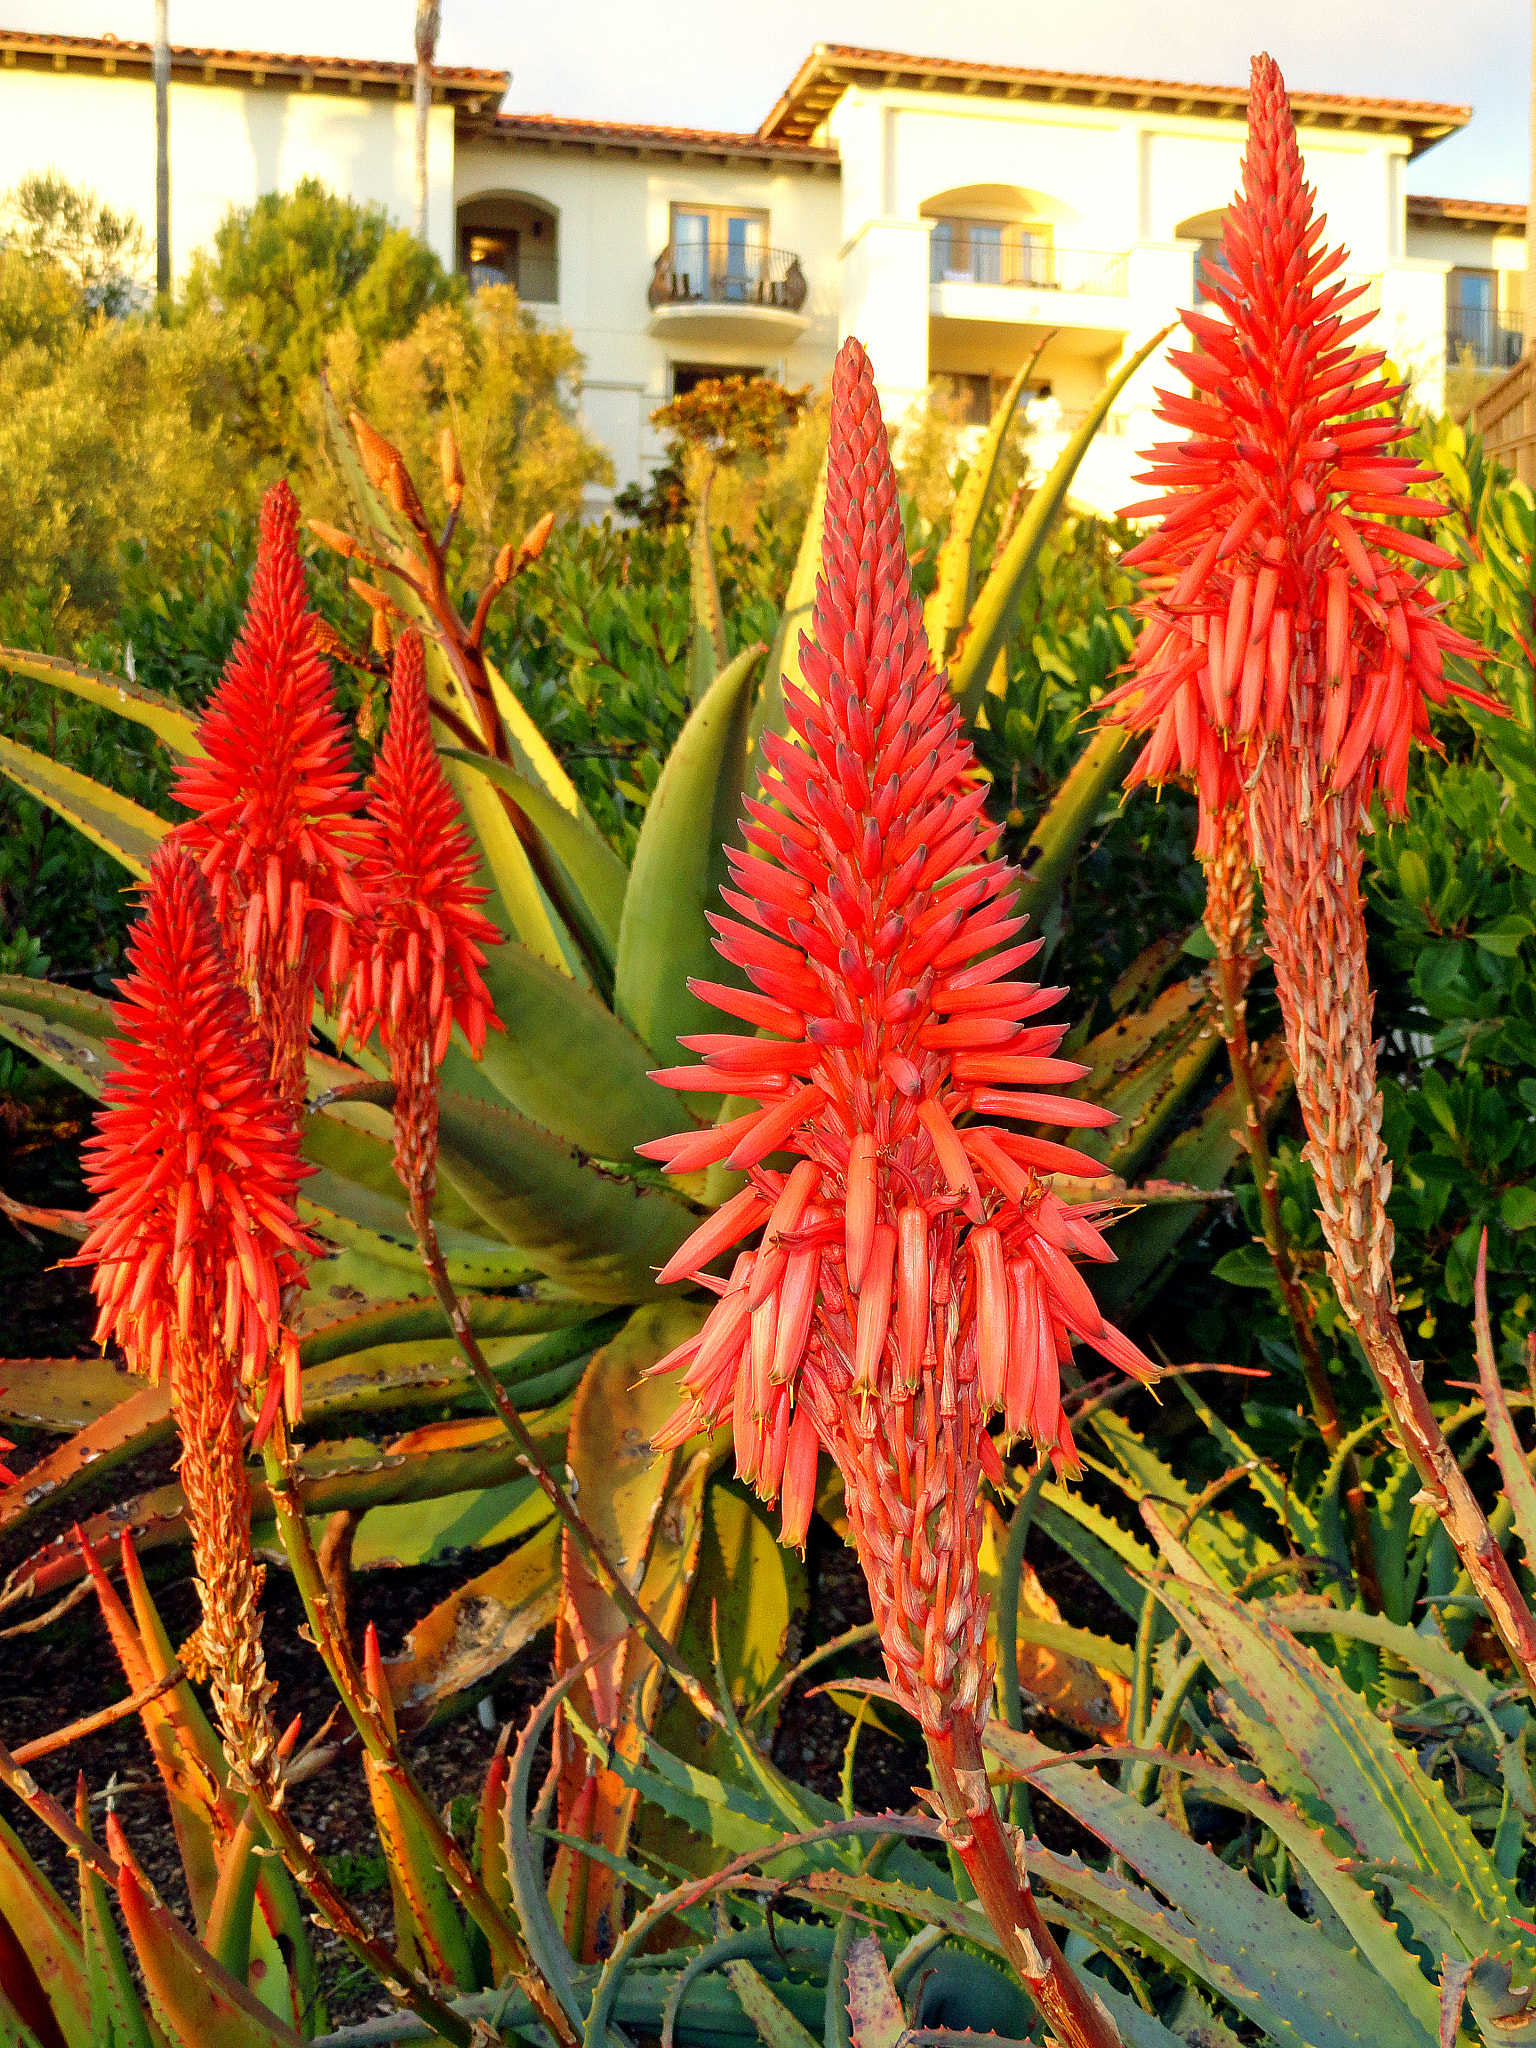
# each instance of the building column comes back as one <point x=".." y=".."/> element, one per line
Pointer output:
<point x="885" y="303"/>
<point x="1412" y="325"/>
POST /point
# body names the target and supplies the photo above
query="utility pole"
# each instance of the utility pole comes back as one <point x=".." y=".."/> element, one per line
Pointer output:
<point x="428" y="18"/>
<point x="162" y="153"/>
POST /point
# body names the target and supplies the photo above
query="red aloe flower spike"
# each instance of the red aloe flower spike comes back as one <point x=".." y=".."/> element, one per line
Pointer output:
<point x="874" y="1316"/>
<point x="195" y="1242"/>
<point x="1335" y="649"/>
<point x="1282" y="611"/>
<point x="274" y="804"/>
<point x="423" y="936"/>
<point x="194" y="1161"/>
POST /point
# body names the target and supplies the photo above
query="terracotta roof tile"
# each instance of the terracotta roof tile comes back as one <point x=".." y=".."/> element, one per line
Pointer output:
<point x="832" y="67"/>
<point x="458" y="79"/>
<point x="1425" y="206"/>
<point x="642" y="138"/>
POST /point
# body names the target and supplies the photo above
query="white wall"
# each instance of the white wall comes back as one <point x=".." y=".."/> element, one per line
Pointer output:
<point x="614" y="220"/>
<point x="229" y="144"/>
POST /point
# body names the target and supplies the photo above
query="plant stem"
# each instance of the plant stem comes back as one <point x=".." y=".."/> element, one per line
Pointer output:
<point x="1076" y="2018"/>
<point x="507" y="1952"/>
<point x="618" y="1587"/>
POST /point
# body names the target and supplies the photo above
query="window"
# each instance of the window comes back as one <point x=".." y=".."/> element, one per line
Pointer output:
<point x="1473" y="324"/>
<point x="718" y="252"/>
<point x="686" y="375"/>
<point x="506" y="238"/>
<point x="991" y="252"/>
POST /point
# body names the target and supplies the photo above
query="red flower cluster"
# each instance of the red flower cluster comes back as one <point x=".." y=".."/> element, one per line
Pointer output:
<point x="1285" y="607"/>
<point x="915" y="1272"/>
<point x="422" y="937"/>
<point x="194" y="1158"/>
<point x="274" y="804"/>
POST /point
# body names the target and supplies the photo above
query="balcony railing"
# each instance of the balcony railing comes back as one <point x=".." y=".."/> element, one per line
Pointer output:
<point x="988" y="252"/>
<point x="690" y="274"/>
<point x="537" y="278"/>
<point x="1480" y="329"/>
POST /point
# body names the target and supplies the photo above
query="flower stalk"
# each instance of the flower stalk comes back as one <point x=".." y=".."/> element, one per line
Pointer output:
<point x="1291" y="653"/>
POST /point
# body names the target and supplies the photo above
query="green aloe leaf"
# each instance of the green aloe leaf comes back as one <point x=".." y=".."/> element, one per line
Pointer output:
<point x="679" y="867"/>
<point x="710" y="651"/>
<point x="598" y="876"/>
<point x="776" y="2025"/>
<point x="55" y="1003"/>
<point x="1145" y="1067"/>
<point x="997" y="605"/>
<point x="117" y="2017"/>
<point x="599" y="1235"/>
<point x="950" y="600"/>
<point x="166" y="721"/>
<point x="1218" y="1542"/>
<point x="795" y="619"/>
<point x="874" y="2011"/>
<point x="114" y="823"/>
<point x="1277" y="1968"/>
<point x="49" y="1939"/>
<point x="1115" y="1559"/>
<point x="567" y="1063"/>
<point x="1290" y="1705"/>
<point x="199" y="2003"/>
<point x="82" y="1061"/>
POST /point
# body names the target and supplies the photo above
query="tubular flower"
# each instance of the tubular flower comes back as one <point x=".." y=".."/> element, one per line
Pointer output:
<point x="274" y="804"/>
<point x="1288" y="616"/>
<point x="423" y="935"/>
<point x="914" y="1272"/>
<point x="194" y="1163"/>
<point x="194" y="1160"/>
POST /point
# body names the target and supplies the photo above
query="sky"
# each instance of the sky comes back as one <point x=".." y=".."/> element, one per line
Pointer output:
<point x="696" y="63"/>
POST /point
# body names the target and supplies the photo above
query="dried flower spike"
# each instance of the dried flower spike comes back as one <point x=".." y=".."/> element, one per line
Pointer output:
<point x="915" y="1272"/>
<point x="423" y="938"/>
<point x="274" y="824"/>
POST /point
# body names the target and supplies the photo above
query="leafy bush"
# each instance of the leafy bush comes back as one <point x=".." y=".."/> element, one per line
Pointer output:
<point x="289" y="271"/>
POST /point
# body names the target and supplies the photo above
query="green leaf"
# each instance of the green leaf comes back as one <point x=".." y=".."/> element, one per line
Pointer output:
<point x="114" y="823"/>
<point x="566" y="1062"/>
<point x="996" y="608"/>
<point x="165" y="720"/>
<point x="945" y="611"/>
<point x="1517" y="1207"/>
<point x="710" y="651"/>
<point x="45" y="1928"/>
<point x="199" y="2004"/>
<point x="596" y="1233"/>
<point x="1110" y="1555"/>
<point x="597" y="874"/>
<point x="1519" y="1487"/>
<point x="795" y="619"/>
<point x="117" y="2018"/>
<point x="82" y="1061"/>
<point x="776" y="2025"/>
<point x="680" y="865"/>
<point x="1291" y="1702"/>
<point x="1279" y="1970"/>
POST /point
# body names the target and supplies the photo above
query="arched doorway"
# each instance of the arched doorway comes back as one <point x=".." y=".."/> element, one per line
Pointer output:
<point x="511" y="238"/>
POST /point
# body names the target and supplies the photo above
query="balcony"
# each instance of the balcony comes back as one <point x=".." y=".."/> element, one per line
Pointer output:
<point x="1007" y="276"/>
<point x="731" y="294"/>
<point x="1480" y="330"/>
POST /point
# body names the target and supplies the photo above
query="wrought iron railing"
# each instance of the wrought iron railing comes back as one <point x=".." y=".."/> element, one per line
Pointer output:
<point x="692" y="274"/>
<point x="992" y="252"/>
<point x="1481" y="330"/>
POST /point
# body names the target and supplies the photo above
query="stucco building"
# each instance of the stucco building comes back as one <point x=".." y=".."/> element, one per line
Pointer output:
<point x="953" y="215"/>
